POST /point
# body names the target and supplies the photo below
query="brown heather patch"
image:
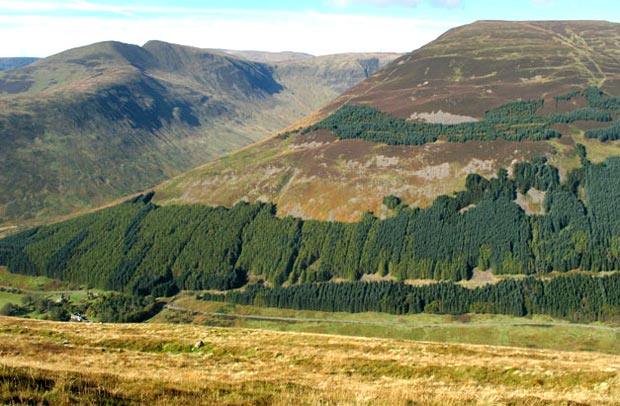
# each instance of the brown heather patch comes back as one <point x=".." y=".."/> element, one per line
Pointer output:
<point x="317" y="176"/>
<point x="532" y="201"/>
<point x="587" y="125"/>
<point x="131" y="364"/>
<point x="480" y="278"/>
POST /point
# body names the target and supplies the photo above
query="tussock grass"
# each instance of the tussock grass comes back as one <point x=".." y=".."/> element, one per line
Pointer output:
<point x="157" y="364"/>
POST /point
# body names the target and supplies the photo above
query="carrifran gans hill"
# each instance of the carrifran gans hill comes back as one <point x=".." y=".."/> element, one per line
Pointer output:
<point x="328" y="175"/>
<point x="92" y="124"/>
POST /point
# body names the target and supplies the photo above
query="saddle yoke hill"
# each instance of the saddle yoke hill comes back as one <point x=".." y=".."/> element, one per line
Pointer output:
<point x="455" y="79"/>
<point x="96" y="123"/>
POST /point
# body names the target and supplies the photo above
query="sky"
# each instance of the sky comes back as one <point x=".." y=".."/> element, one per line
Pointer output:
<point x="42" y="27"/>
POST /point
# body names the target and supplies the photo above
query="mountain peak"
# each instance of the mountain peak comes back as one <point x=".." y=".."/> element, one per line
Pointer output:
<point x="478" y="66"/>
<point x="132" y="116"/>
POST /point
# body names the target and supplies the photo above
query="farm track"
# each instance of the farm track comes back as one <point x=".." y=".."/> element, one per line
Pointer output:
<point x="46" y="292"/>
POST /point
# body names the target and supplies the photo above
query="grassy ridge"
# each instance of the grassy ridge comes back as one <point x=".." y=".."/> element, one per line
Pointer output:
<point x="96" y="123"/>
<point x="239" y="366"/>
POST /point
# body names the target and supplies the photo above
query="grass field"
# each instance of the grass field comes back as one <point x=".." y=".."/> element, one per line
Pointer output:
<point x="470" y="328"/>
<point x="8" y="297"/>
<point x="395" y="361"/>
<point x="157" y="364"/>
<point x="33" y="283"/>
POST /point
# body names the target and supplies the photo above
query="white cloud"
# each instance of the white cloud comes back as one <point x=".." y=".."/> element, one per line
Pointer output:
<point x="390" y="3"/>
<point x="37" y="7"/>
<point x="376" y="3"/>
<point x="28" y="6"/>
<point x="312" y="32"/>
<point x="447" y="3"/>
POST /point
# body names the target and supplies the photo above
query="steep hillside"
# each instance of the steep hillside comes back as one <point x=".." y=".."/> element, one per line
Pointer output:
<point x="144" y="249"/>
<point x="455" y="79"/>
<point x="336" y="72"/>
<point x="95" y="123"/>
<point x="15" y="63"/>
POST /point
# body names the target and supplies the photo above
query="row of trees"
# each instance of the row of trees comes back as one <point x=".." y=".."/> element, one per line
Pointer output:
<point x="514" y="121"/>
<point x="598" y="99"/>
<point x="610" y="133"/>
<point x="576" y="297"/>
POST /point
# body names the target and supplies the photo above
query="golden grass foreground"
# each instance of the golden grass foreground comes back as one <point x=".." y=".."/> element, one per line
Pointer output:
<point x="160" y="364"/>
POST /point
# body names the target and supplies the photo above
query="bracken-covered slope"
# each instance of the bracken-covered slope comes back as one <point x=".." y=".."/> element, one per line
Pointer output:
<point x="95" y="123"/>
<point x="454" y="79"/>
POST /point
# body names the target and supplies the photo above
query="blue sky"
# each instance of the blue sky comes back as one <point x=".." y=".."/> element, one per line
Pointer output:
<point x="43" y="27"/>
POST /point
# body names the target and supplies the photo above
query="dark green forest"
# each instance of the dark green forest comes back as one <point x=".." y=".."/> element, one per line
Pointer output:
<point x="515" y="121"/>
<point x="140" y="248"/>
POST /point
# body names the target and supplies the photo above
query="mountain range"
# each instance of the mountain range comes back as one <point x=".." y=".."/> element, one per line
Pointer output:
<point x="92" y="124"/>
<point x="370" y="188"/>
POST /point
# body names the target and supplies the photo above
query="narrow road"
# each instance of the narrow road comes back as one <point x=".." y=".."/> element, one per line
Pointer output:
<point x="391" y="324"/>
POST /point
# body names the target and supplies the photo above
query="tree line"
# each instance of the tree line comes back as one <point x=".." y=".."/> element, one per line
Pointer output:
<point x="576" y="297"/>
